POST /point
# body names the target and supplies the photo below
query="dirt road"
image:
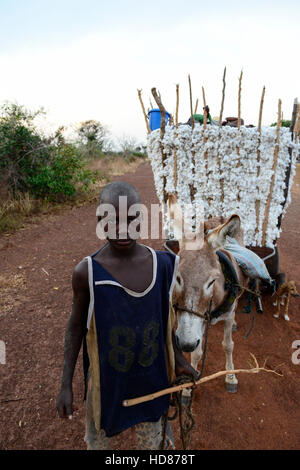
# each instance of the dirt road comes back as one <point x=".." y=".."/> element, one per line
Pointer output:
<point x="35" y="302"/>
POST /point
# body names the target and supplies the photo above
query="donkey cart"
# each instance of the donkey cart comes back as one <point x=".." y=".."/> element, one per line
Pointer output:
<point x="225" y="168"/>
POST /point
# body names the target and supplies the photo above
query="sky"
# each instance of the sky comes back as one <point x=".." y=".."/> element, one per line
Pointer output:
<point x="85" y="60"/>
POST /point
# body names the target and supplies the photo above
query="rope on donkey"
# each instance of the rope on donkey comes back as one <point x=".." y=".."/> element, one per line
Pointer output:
<point x="185" y="413"/>
<point x="253" y="292"/>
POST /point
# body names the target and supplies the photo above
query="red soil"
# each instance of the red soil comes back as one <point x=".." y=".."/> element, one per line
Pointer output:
<point x="263" y="414"/>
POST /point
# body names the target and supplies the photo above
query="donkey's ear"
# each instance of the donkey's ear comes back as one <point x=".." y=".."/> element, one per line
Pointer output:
<point x="217" y="237"/>
<point x="172" y="246"/>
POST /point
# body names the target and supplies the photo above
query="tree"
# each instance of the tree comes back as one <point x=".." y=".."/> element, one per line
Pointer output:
<point x="127" y="144"/>
<point x="92" y="135"/>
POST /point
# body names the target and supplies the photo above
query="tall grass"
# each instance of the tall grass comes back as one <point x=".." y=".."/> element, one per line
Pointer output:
<point x="115" y="165"/>
<point x="14" y="210"/>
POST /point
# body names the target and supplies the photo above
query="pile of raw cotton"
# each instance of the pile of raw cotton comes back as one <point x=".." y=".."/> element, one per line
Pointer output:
<point x="226" y="171"/>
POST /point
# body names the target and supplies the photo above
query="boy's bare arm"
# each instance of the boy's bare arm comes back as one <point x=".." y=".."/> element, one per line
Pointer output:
<point x="75" y="331"/>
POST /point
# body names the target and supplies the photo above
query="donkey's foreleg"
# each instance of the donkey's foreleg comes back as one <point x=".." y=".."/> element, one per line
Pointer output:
<point x="286" y="316"/>
<point x="230" y="380"/>
<point x="234" y="323"/>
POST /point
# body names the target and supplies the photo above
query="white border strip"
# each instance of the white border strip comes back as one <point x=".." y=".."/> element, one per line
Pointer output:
<point x="129" y="291"/>
<point x="91" y="287"/>
<point x="176" y="265"/>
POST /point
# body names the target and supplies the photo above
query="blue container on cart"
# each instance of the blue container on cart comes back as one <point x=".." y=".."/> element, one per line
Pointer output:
<point x="155" y="118"/>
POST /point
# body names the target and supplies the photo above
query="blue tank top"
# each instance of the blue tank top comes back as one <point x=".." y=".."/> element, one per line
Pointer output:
<point x="131" y="333"/>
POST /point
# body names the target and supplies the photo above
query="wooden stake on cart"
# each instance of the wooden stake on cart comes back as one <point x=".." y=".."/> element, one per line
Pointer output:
<point x="144" y="112"/>
<point x="220" y="125"/>
<point x="177" y="105"/>
<point x="205" y="137"/>
<point x="205" y="110"/>
<point x="191" y="103"/>
<point x="175" y="149"/>
<point x="269" y="200"/>
<point x="203" y="96"/>
<point x="196" y="106"/>
<point x="257" y="202"/>
<point x="239" y="125"/>
<point x="297" y="125"/>
<point x="205" y="140"/>
<point x="192" y="188"/>
<point x="223" y="98"/>
<point x="157" y="98"/>
<point x="239" y="100"/>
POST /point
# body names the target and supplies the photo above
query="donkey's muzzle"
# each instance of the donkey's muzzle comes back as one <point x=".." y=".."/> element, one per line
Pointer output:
<point x="187" y="347"/>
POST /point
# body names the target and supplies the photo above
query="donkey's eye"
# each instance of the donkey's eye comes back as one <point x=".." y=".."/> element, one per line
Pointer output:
<point x="178" y="280"/>
<point x="211" y="283"/>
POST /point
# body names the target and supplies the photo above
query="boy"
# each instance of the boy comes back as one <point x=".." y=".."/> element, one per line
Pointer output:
<point x="121" y="312"/>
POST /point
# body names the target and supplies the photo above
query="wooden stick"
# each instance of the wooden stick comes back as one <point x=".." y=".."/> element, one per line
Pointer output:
<point x="192" y="188"/>
<point x="144" y="112"/>
<point x="191" y="103"/>
<point x="239" y="122"/>
<point x="261" y="109"/>
<point x="239" y="100"/>
<point x="267" y="209"/>
<point x="196" y="107"/>
<point x="177" y="105"/>
<point x="203" y="96"/>
<point x="205" y="111"/>
<point x="256" y="369"/>
<point x="257" y="202"/>
<point x="223" y="97"/>
<point x="297" y="125"/>
<point x="205" y="118"/>
<point x="205" y="138"/>
<point x="157" y="98"/>
<point x="220" y="125"/>
<point x="11" y="399"/>
<point x="294" y="116"/>
<point x="239" y="126"/>
<point x="175" y="149"/>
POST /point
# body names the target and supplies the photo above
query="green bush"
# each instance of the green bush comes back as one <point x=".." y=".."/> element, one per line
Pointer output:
<point x="284" y="123"/>
<point x="48" y="168"/>
<point x="139" y="154"/>
<point x="60" y="177"/>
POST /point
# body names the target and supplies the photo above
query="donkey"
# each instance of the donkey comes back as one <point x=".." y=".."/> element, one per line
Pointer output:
<point x="201" y="285"/>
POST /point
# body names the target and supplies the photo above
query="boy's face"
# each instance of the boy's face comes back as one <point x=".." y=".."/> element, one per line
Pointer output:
<point x="121" y="229"/>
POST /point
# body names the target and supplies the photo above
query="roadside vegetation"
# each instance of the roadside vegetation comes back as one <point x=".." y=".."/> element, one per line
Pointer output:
<point x="42" y="174"/>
